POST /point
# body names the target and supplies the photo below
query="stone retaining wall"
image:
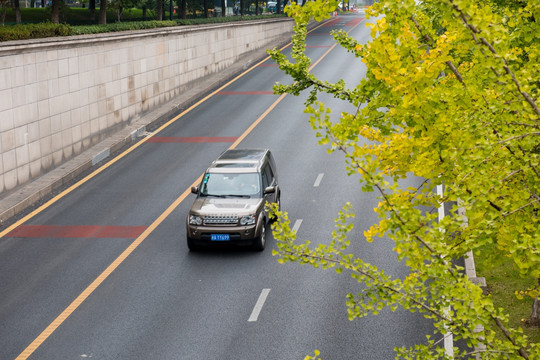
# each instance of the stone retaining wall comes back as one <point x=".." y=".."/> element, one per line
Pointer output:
<point x="60" y="96"/>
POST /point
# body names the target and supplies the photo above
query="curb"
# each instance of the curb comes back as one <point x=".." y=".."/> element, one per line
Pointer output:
<point x="470" y="271"/>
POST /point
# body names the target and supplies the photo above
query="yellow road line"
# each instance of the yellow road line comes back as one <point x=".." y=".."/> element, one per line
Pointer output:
<point x="93" y="286"/>
<point x="114" y="265"/>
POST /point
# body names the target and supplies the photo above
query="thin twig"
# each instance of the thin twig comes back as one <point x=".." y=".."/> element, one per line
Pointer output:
<point x="520" y="208"/>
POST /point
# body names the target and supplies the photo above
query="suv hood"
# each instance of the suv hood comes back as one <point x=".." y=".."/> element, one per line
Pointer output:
<point x="222" y="206"/>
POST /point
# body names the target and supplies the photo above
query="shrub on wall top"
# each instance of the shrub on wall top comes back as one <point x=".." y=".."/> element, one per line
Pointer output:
<point x="121" y="26"/>
<point x="34" y="31"/>
<point x="47" y="29"/>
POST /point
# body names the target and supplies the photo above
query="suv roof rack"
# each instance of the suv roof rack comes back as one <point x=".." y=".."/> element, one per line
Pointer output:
<point x="237" y="155"/>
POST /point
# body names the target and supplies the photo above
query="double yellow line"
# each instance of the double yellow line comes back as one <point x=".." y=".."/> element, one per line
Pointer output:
<point x="112" y="267"/>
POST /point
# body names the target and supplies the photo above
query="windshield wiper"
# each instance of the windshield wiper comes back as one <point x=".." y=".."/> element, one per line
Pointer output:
<point x="214" y="195"/>
<point x="240" y="196"/>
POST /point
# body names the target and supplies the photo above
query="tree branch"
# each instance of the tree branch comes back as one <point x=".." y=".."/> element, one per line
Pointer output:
<point x="521" y="351"/>
<point x="448" y="63"/>
<point x="520" y="208"/>
<point x="368" y="275"/>
<point x="519" y="137"/>
<point x="506" y="67"/>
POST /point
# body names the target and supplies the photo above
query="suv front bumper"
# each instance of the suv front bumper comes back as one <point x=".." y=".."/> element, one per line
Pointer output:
<point x="237" y="234"/>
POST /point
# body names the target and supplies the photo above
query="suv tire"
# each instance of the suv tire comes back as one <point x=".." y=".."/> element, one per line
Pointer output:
<point x="191" y="245"/>
<point x="260" y="241"/>
<point x="278" y="202"/>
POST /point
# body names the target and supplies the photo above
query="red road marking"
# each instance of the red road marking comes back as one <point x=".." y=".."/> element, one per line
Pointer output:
<point x="124" y="232"/>
<point x="354" y="22"/>
<point x="77" y="231"/>
<point x="332" y="22"/>
<point x="194" y="139"/>
<point x="31" y="231"/>
<point x="245" y="93"/>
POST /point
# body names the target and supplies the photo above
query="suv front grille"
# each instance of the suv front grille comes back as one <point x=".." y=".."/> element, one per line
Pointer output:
<point x="221" y="220"/>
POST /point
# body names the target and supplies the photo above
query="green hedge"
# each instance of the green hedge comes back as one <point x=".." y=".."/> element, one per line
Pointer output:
<point x="47" y="29"/>
<point x="122" y="26"/>
<point x="153" y="24"/>
<point x="34" y="31"/>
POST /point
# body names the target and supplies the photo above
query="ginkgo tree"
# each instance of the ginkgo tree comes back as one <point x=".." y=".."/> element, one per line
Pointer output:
<point x="451" y="95"/>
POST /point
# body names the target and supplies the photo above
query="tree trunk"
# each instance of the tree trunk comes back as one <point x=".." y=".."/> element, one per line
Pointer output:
<point x="17" y="8"/>
<point x="278" y="7"/>
<point x="102" y="12"/>
<point x="92" y="8"/>
<point x="223" y="8"/>
<point x="242" y="7"/>
<point x="534" y="319"/>
<point x="4" y="10"/>
<point x="160" y="10"/>
<point x="183" y="9"/>
<point x="205" y="8"/>
<point x="55" y="11"/>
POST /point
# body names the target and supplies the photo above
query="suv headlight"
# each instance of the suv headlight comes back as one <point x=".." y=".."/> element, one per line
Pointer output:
<point x="248" y="220"/>
<point x="195" y="220"/>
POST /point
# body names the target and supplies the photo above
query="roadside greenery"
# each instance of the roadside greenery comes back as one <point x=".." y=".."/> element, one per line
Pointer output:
<point x="83" y="16"/>
<point x="501" y="280"/>
<point x="452" y="96"/>
<point x="47" y="29"/>
<point x="33" y="31"/>
<point x="71" y="15"/>
<point x="83" y="12"/>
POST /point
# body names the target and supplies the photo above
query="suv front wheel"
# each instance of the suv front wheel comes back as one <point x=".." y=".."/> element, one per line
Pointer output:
<point x="191" y="244"/>
<point x="274" y="218"/>
<point x="260" y="241"/>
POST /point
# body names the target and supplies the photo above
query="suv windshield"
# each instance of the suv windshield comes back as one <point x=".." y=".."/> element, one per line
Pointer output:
<point x="231" y="184"/>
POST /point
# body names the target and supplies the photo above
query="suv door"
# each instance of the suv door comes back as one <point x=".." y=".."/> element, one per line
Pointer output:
<point x="268" y="179"/>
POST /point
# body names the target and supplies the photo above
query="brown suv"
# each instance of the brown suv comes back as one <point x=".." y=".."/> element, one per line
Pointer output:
<point x="231" y="199"/>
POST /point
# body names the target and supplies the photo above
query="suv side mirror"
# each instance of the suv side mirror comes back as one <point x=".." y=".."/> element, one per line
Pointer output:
<point x="270" y="190"/>
<point x="194" y="189"/>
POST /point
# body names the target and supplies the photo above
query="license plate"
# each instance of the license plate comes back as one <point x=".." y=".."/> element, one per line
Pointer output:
<point x="219" y="237"/>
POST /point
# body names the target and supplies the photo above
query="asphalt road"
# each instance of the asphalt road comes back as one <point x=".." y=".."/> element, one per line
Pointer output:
<point x="105" y="272"/>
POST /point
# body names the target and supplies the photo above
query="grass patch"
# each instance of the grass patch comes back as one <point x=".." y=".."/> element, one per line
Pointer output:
<point x="501" y="281"/>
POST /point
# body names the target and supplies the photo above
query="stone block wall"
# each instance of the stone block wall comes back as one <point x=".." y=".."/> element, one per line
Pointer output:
<point x="60" y="96"/>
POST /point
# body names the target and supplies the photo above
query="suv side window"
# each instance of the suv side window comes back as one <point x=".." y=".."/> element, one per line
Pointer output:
<point x="268" y="174"/>
<point x="265" y="177"/>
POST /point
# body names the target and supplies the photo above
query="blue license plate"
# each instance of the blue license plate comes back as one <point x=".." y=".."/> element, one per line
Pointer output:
<point x="219" y="237"/>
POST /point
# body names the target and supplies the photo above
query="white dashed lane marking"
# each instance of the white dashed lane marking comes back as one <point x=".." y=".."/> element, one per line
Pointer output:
<point x="296" y="225"/>
<point x="318" y="180"/>
<point x="258" y="306"/>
